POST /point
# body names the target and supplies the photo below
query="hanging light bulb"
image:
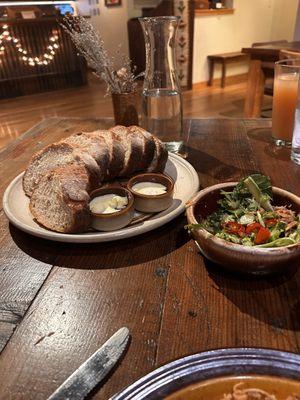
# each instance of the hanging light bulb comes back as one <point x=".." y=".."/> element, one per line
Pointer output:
<point x="56" y="46"/>
<point x="5" y="33"/>
<point x="52" y="52"/>
<point x="4" y="26"/>
<point x="24" y="58"/>
<point x="45" y="62"/>
<point x="15" y="40"/>
<point x="9" y="38"/>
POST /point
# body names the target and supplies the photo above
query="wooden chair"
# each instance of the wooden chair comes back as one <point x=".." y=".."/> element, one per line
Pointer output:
<point x="224" y="59"/>
<point x="258" y="44"/>
<point x="268" y="67"/>
<point x="285" y="54"/>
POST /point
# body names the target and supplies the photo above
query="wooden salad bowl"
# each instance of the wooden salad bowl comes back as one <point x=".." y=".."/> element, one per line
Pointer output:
<point x="236" y="257"/>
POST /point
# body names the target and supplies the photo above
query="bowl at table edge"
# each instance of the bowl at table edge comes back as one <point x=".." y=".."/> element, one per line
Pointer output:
<point x="235" y="257"/>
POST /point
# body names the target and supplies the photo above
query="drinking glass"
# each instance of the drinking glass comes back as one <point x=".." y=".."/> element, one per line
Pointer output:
<point x="284" y="100"/>
<point x="162" y="101"/>
<point x="295" y="154"/>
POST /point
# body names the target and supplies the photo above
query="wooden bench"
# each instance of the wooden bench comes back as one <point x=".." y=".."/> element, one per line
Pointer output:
<point x="223" y="59"/>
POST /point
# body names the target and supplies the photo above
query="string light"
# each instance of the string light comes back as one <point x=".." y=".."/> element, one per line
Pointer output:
<point x="44" y="59"/>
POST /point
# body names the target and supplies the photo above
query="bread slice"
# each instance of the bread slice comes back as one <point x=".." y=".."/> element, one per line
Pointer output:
<point x="133" y="145"/>
<point x="55" y="155"/>
<point x="116" y="154"/>
<point x="160" y="157"/>
<point x="148" y="145"/>
<point x="60" y="200"/>
<point x="93" y="144"/>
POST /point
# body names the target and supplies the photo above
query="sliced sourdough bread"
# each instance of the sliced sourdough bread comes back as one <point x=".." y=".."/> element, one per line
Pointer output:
<point x="116" y="154"/>
<point x="133" y="145"/>
<point x="93" y="144"/>
<point x="60" y="200"/>
<point x="160" y="157"/>
<point x="55" y="155"/>
<point x="147" y="143"/>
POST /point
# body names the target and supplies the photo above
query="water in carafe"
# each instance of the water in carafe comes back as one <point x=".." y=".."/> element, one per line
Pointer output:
<point x="162" y="114"/>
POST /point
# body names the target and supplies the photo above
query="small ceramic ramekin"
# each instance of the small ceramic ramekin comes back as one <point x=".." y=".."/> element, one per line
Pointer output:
<point x="152" y="203"/>
<point x="118" y="219"/>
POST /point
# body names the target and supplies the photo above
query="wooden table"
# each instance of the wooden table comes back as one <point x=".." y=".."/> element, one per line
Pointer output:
<point x="256" y="76"/>
<point x="60" y="302"/>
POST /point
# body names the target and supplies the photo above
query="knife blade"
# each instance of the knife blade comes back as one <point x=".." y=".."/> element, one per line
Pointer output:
<point x="94" y="369"/>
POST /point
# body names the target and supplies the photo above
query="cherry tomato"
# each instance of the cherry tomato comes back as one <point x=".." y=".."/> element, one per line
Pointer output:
<point x="270" y="222"/>
<point x="234" y="228"/>
<point x="254" y="227"/>
<point x="262" y="236"/>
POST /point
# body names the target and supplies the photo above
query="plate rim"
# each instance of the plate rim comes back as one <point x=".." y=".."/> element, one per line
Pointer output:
<point x="97" y="237"/>
<point x="152" y="383"/>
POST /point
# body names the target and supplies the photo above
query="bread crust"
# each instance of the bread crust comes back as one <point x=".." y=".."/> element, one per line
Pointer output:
<point x="162" y="156"/>
<point x="58" y="154"/>
<point x="93" y="144"/>
<point x="133" y="147"/>
<point x="148" y="145"/>
<point x="69" y="186"/>
<point x="116" y="154"/>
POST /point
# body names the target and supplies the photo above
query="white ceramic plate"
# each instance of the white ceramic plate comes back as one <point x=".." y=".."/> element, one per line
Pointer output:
<point x="16" y="208"/>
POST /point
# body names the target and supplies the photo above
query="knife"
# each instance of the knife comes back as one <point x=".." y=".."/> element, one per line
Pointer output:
<point x="94" y="369"/>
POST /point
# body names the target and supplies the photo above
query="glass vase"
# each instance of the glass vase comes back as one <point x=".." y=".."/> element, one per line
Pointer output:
<point x="125" y="107"/>
<point x="161" y="97"/>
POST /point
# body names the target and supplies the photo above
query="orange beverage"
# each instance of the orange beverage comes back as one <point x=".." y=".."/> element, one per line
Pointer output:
<point x="284" y="101"/>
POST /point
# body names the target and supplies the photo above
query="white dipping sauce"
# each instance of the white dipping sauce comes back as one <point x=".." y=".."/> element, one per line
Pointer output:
<point x="108" y="204"/>
<point x="149" y="188"/>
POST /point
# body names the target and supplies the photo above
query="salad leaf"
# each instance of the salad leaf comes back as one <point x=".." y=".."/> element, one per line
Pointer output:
<point x="278" y="243"/>
<point x="296" y="234"/>
<point x="260" y="188"/>
<point x="278" y="230"/>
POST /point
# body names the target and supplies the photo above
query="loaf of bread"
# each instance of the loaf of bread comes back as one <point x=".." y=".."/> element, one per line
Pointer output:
<point x="60" y="177"/>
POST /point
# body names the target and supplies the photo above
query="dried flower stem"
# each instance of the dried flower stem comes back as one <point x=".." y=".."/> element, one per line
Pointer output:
<point x="90" y="44"/>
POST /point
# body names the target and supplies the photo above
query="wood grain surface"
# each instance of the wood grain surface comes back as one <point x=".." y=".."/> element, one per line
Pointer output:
<point x="20" y="114"/>
<point x="66" y="300"/>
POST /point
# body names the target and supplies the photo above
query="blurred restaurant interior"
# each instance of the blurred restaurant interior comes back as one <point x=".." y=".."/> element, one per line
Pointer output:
<point x="37" y="57"/>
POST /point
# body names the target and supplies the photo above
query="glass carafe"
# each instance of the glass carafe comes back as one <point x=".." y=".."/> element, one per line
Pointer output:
<point x="162" y="102"/>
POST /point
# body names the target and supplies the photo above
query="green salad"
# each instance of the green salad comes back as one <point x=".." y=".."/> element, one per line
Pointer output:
<point x="246" y="216"/>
